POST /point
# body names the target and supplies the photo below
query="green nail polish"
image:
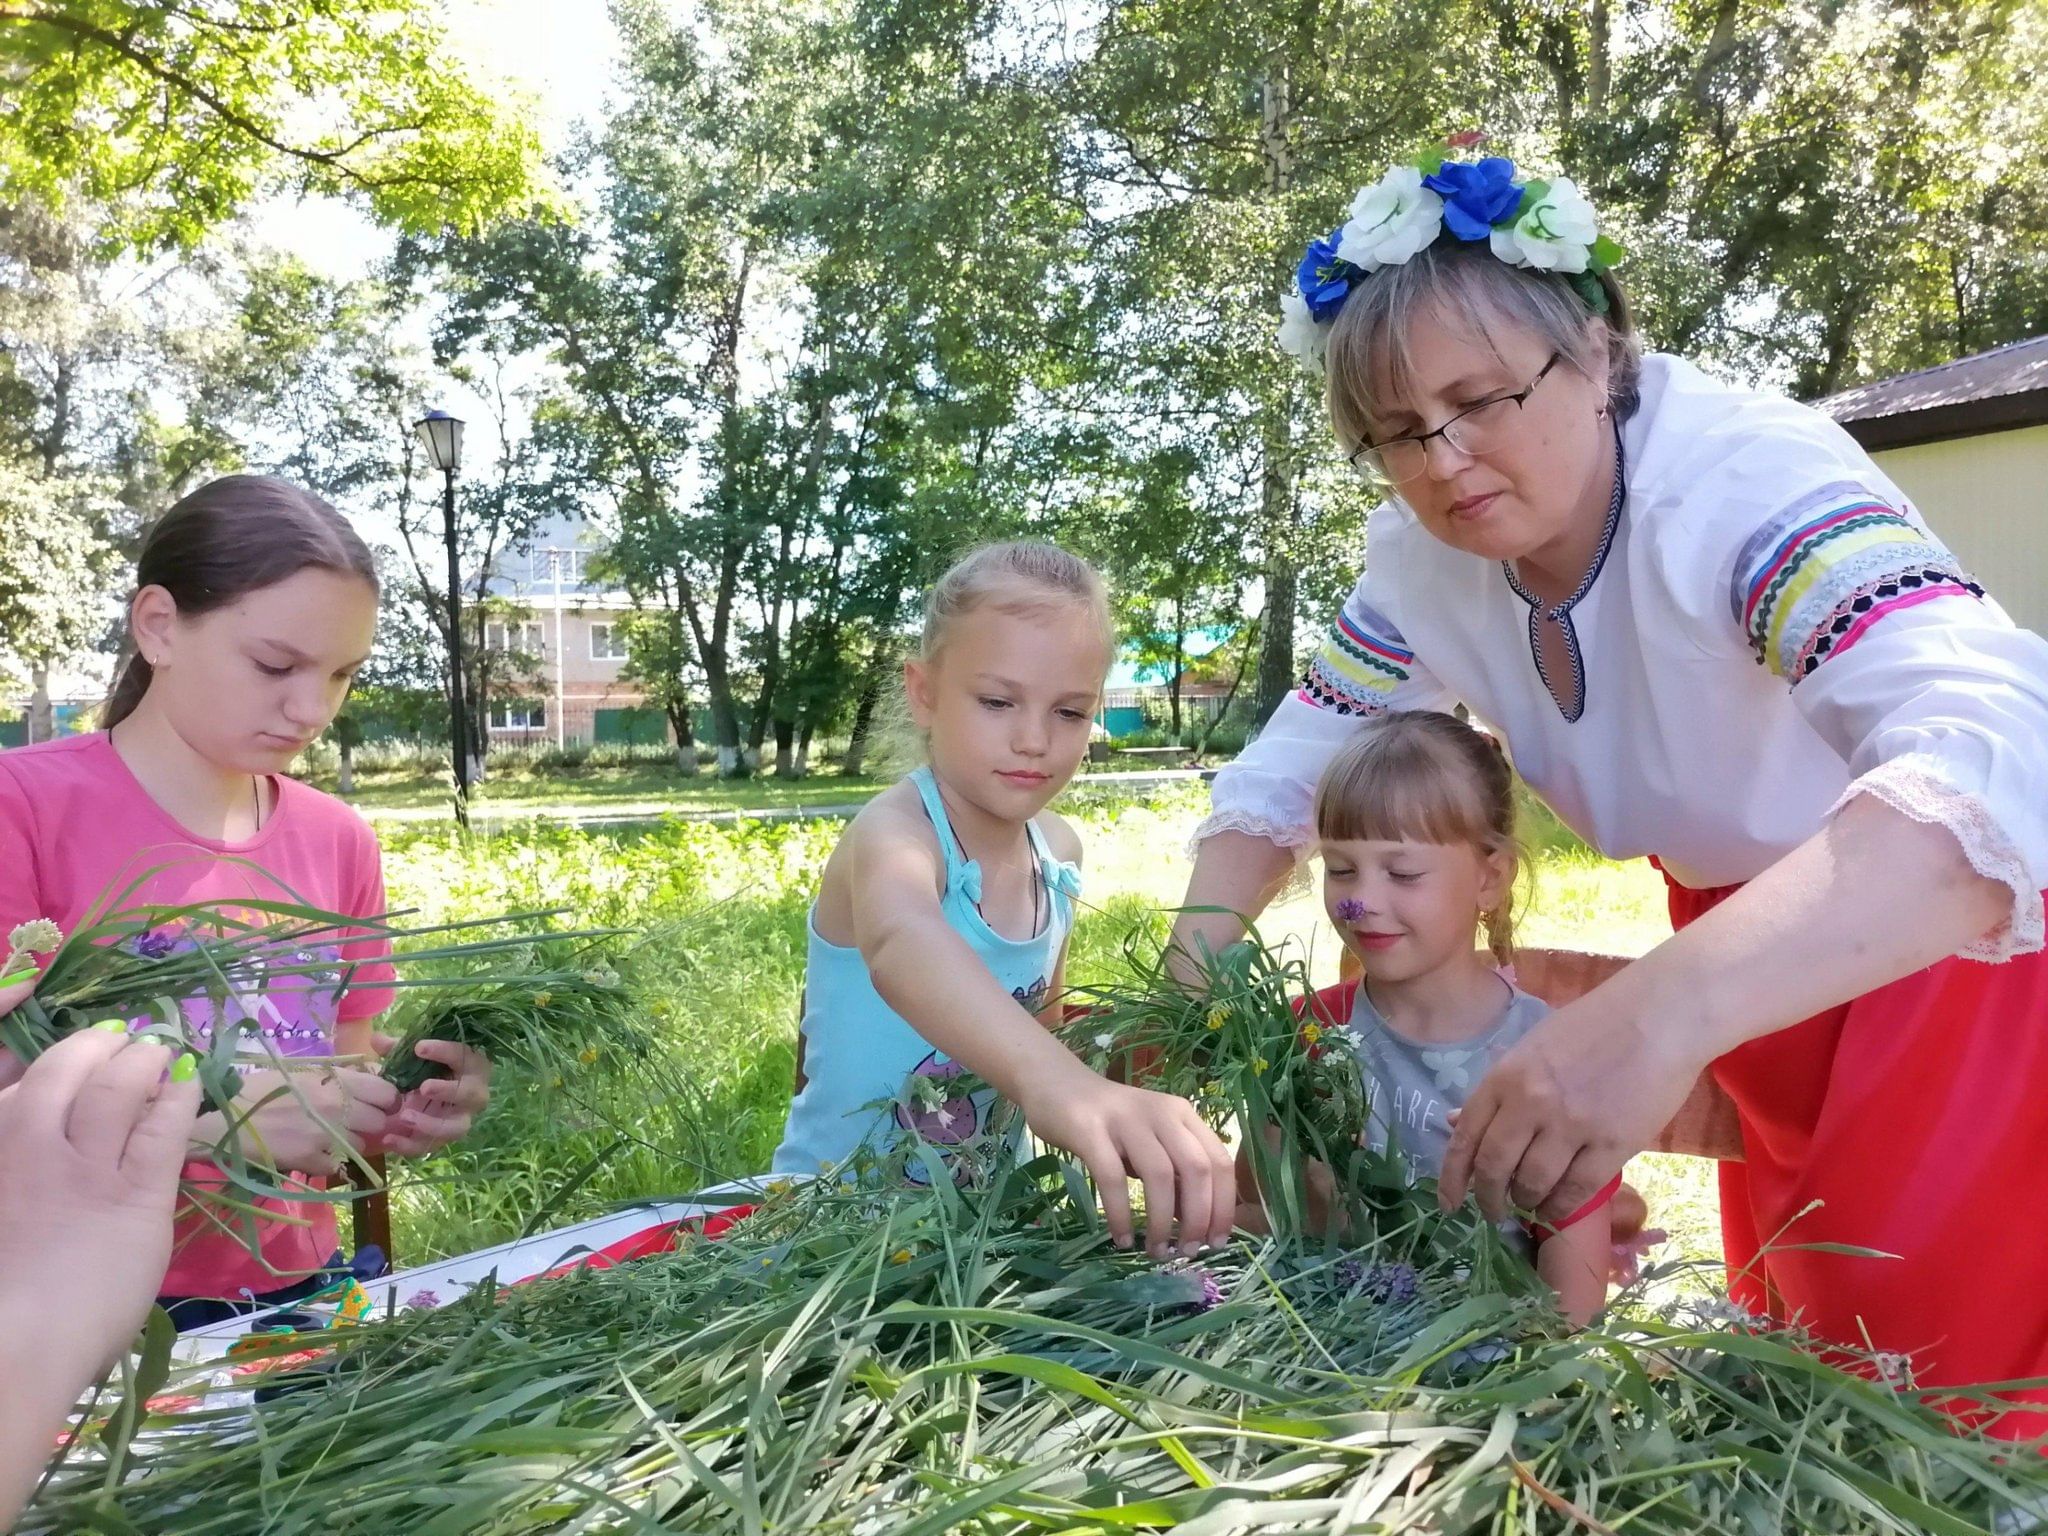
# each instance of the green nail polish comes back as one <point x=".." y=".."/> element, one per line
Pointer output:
<point x="113" y="1026"/>
<point x="184" y="1069"/>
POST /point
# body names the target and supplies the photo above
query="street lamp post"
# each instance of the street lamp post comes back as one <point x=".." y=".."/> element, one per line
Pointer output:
<point x="441" y="435"/>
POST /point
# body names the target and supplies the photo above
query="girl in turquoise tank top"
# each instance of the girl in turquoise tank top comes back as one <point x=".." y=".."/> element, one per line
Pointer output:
<point x="938" y="937"/>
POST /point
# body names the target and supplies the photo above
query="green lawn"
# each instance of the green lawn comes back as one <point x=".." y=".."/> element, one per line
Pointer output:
<point x="721" y="909"/>
<point x="632" y="789"/>
<point x="520" y="789"/>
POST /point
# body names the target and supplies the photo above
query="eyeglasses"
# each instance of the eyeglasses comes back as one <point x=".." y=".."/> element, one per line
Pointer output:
<point x="1475" y="432"/>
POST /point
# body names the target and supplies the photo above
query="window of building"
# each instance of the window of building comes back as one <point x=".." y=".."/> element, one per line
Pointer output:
<point x="529" y="638"/>
<point x="519" y="716"/>
<point x="607" y="643"/>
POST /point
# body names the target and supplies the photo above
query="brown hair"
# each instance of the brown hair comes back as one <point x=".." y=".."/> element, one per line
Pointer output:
<point x="1020" y="575"/>
<point x="1420" y="776"/>
<point x="233" y="536"/>
<point x="1369" y="337"/>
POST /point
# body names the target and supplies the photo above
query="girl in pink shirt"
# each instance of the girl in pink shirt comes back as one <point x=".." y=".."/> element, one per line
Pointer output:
<point x="255" y="604"/>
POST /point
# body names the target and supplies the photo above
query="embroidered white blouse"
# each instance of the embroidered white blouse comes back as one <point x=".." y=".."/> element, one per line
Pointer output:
<point x="1770" y="629"/>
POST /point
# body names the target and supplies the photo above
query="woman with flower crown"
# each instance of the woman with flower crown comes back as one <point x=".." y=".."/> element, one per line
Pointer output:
<point x="1710" y="631"/>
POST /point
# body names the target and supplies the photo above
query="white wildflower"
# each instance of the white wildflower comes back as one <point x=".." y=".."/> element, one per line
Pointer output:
<point x="38" y="936"/>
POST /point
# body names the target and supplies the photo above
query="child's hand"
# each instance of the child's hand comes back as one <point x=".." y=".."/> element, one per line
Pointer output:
<point x="1325" y="1213"/>
<point x="293" y="1127"/>
<point x="1120" y="1132"/>
<point x="442" y="1109"/>
<point x="91" y="1138"/>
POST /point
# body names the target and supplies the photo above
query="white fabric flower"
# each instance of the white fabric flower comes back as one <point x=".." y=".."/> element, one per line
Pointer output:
<point x="1554" y="234"/>
<point x="1390" y="221"/>
<point x="1300" y="336"/>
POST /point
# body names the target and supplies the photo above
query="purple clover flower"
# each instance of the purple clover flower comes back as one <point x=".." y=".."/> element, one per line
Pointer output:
<point x="422" y="1301"/>
<point x="1350" y="910"/>
<point x="1212" y="1293"/>
<point x="1386" y="1284"/>
<point x="154" y="945"/>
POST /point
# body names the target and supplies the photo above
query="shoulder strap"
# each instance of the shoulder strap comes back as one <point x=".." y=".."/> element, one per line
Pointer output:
<point x="935" y="808"/>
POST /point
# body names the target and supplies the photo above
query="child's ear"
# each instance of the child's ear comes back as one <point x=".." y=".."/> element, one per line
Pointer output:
<point x="151" y="618"/>
<point x="917" y="692"/>
<point x="1499" y="881"/>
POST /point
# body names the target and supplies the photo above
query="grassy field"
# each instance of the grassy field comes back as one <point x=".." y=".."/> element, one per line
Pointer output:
<point x="523" y="785"/>
<point x="721" y="906"/>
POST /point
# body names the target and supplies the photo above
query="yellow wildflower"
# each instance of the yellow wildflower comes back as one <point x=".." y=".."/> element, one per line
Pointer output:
<point x="1259" y="1066"/>
<point x="1311" y="1033"/>
<point x="542" y="999"/>
<point x="589" y="1055"/>
<point x="780" y="1187"/>
<point x="1217" y="1017"/>
<point x="900" y="1256"/>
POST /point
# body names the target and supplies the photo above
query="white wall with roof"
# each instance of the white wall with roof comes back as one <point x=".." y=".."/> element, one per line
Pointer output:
<point x="1987" y="498"/>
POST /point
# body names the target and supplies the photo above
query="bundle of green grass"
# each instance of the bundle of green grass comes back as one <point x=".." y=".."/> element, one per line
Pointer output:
<point x="511" y="986"/>
<point x="921" y="1357"/>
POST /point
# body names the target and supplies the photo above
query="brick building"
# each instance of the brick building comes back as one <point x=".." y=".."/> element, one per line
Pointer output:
<point x="568" y="624"/>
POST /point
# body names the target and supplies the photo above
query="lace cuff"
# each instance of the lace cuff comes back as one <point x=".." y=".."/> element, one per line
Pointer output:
<point x="1915" y="785"/>
<point x="1282" y="834"/>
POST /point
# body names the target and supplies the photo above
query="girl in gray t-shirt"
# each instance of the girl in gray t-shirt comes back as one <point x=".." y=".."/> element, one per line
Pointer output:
<point x="1416" y="826"/>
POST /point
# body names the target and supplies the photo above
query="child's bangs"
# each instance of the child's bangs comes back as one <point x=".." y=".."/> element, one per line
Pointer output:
<point x="1397" y="790"/>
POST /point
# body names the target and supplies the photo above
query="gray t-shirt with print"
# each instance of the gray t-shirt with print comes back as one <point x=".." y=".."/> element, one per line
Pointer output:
<point x="1411" y="1086"/>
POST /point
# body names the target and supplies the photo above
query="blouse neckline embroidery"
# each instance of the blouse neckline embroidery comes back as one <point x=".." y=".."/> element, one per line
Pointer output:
<point x="1561" y="614"/>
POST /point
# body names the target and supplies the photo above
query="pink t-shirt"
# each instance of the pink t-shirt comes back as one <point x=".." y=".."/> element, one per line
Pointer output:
<point x="76" y="828"/>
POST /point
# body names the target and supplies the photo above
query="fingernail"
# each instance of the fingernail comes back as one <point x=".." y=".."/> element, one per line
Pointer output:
<point x="113" y="1026"/>
<point x="184" y="1069"/>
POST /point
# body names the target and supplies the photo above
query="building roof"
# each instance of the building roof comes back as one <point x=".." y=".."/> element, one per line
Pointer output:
<point x="1986" y="392"/>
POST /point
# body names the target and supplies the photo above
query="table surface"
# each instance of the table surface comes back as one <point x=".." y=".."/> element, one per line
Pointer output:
<point x="517" y="1260"/>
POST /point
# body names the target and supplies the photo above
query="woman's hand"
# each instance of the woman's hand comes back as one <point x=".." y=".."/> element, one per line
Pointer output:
<point x="1120" y="1133"/>
<point x="1559" y="1114"/>
<point x="11" y="998"/>
<point x="442" y="1109"/>
<point x="91" y="1137"/>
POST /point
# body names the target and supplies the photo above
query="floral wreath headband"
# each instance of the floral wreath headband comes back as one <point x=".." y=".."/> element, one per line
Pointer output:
<point x="1544" y="225"/>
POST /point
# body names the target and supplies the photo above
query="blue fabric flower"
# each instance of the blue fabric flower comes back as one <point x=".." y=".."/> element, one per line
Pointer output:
<point x="1476" y="197"/>
<point x="1324" y="281"/>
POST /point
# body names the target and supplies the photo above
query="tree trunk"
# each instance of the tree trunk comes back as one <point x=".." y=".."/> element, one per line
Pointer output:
<point x="786" y="765"/>
<point x="855" y="760"/>
<point x="346" y="781"/>
<point x="803" y="749"/>
<point x="1229" y="698"/>
<point x="1180" y="665"/>
<point x="1598" y="28"/>
<point x="725" y="715"/>
<point x="42" y="710"/>
<point x="686" y="740"/>
<point x="1276" y="492"/>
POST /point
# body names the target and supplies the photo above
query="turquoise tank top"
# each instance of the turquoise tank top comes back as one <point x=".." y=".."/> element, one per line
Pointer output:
<point x="857" y="1049"/>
